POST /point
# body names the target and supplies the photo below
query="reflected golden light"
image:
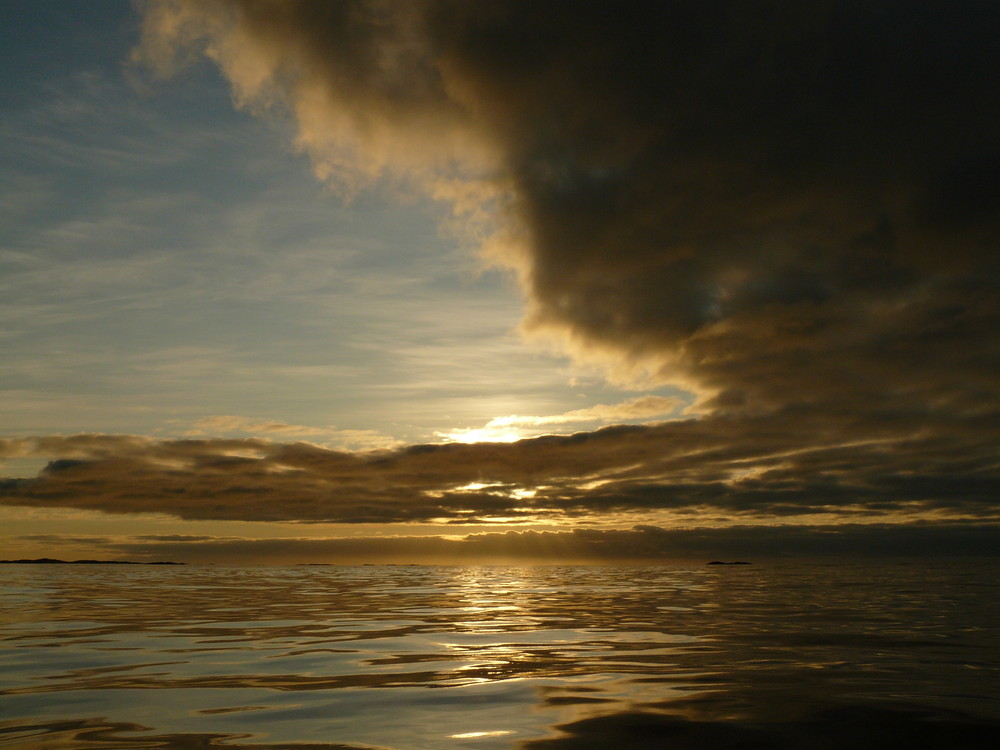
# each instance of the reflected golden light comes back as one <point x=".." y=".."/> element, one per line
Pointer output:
<point x="477" y="735"/>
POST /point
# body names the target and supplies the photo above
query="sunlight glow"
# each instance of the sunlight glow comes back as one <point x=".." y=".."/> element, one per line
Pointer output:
<point x="482" y="435"/>
<point x="473" y="486"/>
<point x="499" y="487"/>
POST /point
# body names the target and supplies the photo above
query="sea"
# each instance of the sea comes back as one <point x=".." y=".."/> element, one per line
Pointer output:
<point x="786" y="655"/>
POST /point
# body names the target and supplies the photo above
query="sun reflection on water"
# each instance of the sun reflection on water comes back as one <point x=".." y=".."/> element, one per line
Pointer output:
<point x="485" y="657"/>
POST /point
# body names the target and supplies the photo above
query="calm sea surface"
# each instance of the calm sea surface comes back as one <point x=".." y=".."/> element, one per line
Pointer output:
<point x="563" y="658"/>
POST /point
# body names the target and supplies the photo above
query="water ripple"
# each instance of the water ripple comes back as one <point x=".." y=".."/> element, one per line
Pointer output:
<point x="496" y="657"/>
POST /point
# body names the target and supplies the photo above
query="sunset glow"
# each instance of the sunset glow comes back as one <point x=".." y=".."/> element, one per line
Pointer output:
<point x="482" y="435"/>
<point x="499" y="374"/>
<point x="386" y="272"/>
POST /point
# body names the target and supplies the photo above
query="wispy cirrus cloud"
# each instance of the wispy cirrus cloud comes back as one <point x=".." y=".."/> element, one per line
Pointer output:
<point x="643" y="407"/>
<point x="516" y="426"/>
<point x="332" y="437"/>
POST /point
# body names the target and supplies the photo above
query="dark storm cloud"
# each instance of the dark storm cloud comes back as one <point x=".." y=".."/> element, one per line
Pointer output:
<point x="773" y="201"/>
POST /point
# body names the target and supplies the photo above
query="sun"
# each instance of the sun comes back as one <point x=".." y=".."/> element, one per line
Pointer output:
<point x="482" y="435"/>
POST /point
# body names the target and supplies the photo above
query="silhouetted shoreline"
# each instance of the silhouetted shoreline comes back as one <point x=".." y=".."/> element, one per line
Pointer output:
<point x="53" y="561"/>
<point x="734" y="562"/>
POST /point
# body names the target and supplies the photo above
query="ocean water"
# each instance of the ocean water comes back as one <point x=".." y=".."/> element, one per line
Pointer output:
<point x="895" y="655"/>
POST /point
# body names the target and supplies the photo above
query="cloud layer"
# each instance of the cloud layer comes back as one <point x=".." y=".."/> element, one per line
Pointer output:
<point x="768" y="202"/>
<point x="884" y="464"/>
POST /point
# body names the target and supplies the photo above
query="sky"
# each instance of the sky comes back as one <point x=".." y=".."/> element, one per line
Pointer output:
<point x="437" y="281"/>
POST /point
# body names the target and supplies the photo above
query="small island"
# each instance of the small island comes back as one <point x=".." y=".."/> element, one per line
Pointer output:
<point x="53" y="561"/>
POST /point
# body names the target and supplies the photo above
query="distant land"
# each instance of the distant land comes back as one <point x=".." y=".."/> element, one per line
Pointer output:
<point x="734" y="562"/>
<point x="52" y="561"/>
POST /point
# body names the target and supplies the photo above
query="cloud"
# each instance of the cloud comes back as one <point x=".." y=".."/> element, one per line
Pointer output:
<point x="771" y="204"/>
<point x="331" y="437"/>
<point x="776" y="206"/>
<point x="355" y="75"/>
<point x="514" y="427"/>
<point x="643" y="407"/>
<point x="886" y="465"/>
<point x="790" y="209"/>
